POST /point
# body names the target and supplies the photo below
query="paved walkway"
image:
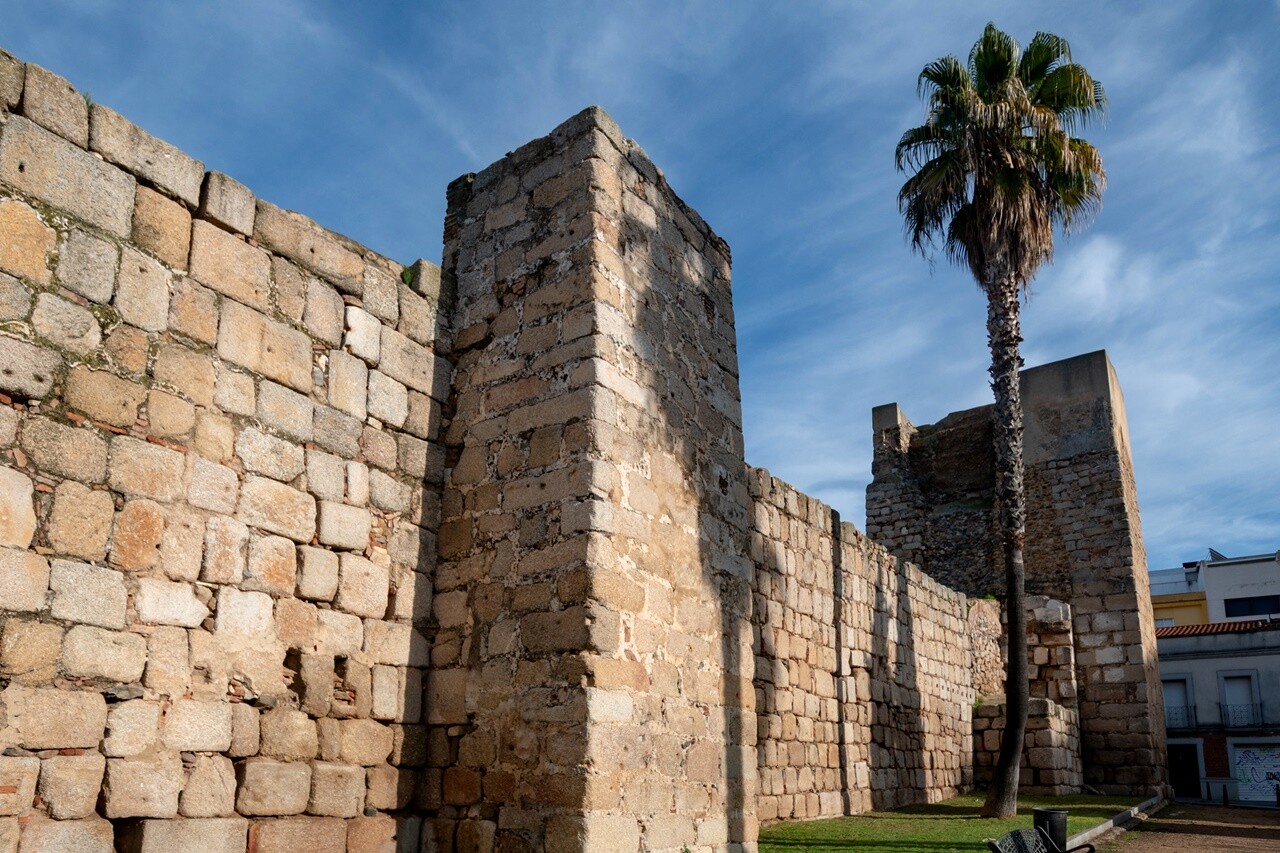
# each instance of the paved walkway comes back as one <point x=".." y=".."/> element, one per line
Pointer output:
<point x="1201" y="829"/>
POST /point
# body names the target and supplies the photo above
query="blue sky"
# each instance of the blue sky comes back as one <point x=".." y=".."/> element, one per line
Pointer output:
<point x="777" y="122"/>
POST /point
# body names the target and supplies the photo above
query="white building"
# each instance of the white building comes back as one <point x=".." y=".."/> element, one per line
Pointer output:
<point x="1221" y="677"/>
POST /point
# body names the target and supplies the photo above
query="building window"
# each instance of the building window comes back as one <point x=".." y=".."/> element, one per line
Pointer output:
<point x="1165" y="623"/>
<point x="1255" y="605"/>
<point x="1179" y="704"/>
<point x="1239" y="694"/>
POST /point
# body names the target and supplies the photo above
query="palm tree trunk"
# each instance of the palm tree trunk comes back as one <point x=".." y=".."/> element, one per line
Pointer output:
<point x="1004" y="337"/>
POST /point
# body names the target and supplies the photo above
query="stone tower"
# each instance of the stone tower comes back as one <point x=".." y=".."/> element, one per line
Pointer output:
<point x="931" y="501"/>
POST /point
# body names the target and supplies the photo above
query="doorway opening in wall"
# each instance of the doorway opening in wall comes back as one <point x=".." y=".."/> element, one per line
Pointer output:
<point x="1186" y="768"/>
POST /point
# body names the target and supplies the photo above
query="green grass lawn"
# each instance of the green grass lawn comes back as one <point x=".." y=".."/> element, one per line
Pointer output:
<point x="953" y="825"/>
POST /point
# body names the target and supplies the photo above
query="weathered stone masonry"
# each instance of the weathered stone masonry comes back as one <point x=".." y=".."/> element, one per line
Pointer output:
<point x="219" y="481"/>
<point x="931" y="501"/>
<point x="297" y="551"/>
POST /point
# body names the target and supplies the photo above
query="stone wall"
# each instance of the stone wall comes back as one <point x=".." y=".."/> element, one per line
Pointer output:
<point x="1050" y="755"/>
<point x="232" y="445"/>
<point x="931" y="498"/>
<point x="219" y="485"/>
<point x="863" y="683"/>
<point x="594" y="592"/>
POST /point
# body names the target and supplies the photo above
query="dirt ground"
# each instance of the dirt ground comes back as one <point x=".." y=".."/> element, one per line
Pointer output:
<point x="1200" y="829"/>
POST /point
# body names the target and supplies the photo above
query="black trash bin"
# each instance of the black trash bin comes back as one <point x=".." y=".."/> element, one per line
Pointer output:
<point x="1053" y="823"/>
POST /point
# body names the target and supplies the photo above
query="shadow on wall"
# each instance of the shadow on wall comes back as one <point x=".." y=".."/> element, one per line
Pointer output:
<point x="686" y="486"/>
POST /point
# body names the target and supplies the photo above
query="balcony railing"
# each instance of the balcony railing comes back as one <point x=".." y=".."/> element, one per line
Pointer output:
<point x="1236" y="716"/>
<point x="1180" y="716"/>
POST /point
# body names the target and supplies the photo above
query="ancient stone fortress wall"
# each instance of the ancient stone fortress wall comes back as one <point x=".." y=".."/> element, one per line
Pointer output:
<point x="863" y="679"/>
<point x="219" y="489"/>
<point x="593" y="596"/>
<point x="931" y="498"/>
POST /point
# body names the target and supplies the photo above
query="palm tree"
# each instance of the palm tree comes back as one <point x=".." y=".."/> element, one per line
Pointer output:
<point x="996" y="169"/>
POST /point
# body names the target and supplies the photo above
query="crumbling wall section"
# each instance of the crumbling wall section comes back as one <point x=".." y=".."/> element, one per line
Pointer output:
<point x="219" y="484"/>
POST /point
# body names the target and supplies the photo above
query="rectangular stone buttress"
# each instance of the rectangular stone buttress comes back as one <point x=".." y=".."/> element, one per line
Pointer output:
<point x="592" y="663"/>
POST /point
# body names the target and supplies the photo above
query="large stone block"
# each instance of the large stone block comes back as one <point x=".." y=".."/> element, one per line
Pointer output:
<point x="17" y="525"/>
<point x="337" y="790"/>
<point x="146" y="470"/>
<point x="69" y="784"/>
<point x="231" y="266"/>
<point x="365" y="742"/>
<point x="206" y="835"/>
<point x="212" y="486"/>
<point x="388" y="788"/>
<point x="15" y="298"/>
<point x="65" y="324"/>
<point x="161" y="602"/>
<point x="344" y="526"/>
<point x="243" y="613"/>
<point x="169" y="415"/>
<point x="182" y="543"/>
<point x="190" y="373"/>
<point x="288" y="734"/>
<point x="312" y="834"/>
<point x="228" y="202"/>
<point x="277" y="508"/>
<point x="70" y="452"/>
<point x="168" y="670"/>
<point x="323" y="312"/>
<point x="270" y="787"/>
<point x="89" y="652"/>
<point x="363" y="335"/>
<point x="132" y="728"/>
<point x="317" y="573"/>
<point x="226" y="546"/>
<point x="245" y="730"/>
<point x="26" y="370"/>
<point x="54" y="103"/>
<point x="104" y="396"/>
<point x="348" y="384"/>
<point x="272" y="566"/>
<point x="61" y="719"/>
<point x="139" y="529"/>
<point x="38" y="162"/>
<point x="44" y="835"/>
<point x="28" y="242"/>
<point x="377" y="834"/>
<point x="87" y="265"/>
<point x="159" y="163"/>
<point x="210" y="790"/>
<point x="413" y="364"/>
<point x="285" y="410"/>
<point x="29" y="651"/>
<point x="18" y="775"/>
<point x="299" y="239"/>
<point x="81" y="521"/>
<point x="143" y="786"/>
<point x="87" y="594"/>
<point x="363" y="586"/>
<point x="142" y="291"/>
<point x="194" y="726"/>
<point x="162" y="226"/>
<point x="270" y="456"/>
<point x="264" y="346"/>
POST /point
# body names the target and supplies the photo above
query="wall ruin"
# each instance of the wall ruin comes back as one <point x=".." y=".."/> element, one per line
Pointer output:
<point x="932" y="498"/>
